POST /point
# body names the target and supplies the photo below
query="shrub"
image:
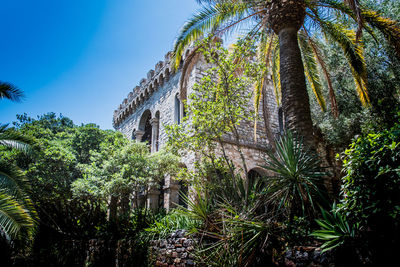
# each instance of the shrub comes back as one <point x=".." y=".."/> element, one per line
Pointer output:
<point x="371" y="187"/>
<point x="372" y="180"/>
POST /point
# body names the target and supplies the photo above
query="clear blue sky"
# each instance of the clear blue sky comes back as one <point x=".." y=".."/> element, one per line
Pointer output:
<point x="82" y="57"/>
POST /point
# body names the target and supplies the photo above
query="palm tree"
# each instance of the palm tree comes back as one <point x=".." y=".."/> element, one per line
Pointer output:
<point x="17" y="213"/>
<point x="283" y="19"/>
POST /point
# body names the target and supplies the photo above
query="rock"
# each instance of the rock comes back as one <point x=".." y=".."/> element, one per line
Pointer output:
<point x="289" y="254"/>
<point x="289" y="263"/>
<point x="161" y="264"/>
<point x="308" y="249"/>
<point x="168" y="253"/>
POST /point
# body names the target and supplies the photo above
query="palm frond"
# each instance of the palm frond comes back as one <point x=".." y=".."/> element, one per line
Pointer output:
<point x="276" y="78"/>
<point x="14" y="183"/>
<point x="353" y="52"/>
<point x="318" y="56"/>
<point x="355" y="7"/>
<point x="10" y="91"/>
<point x="14" y="216"/>
<point x="206" y="21"/>
<point x="389" y="28"/>
<point x="12" y="139"/>
<point x="311" y="70"/>
<point x="266" y="45"/>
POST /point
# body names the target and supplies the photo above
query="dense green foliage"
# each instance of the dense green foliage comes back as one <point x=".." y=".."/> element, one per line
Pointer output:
<point x="242" y="219"/>
<point x="371" y="184"/>
<point x="17" y="213"/>
<point x="383" y="81"/>
<point x="220" y="102"/>
<point x="87" y="183"/>
<point x="82" y="182"/>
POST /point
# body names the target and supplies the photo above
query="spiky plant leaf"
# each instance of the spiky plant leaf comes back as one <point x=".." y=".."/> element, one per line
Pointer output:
<point x="296" y="175"/>
<point x="335" y="229"/>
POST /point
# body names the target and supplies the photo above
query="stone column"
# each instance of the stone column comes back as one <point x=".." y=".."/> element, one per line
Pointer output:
<point x="154" y="134"/>
<point x="139" y="135"/>
<point x="171" y="193"/>
<point x="152" y="199"/>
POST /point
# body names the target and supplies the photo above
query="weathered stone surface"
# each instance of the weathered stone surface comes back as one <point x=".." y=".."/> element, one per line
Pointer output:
<point x="177" y="255"/>
<point x="307" y="256"/>
<point x="160" y="95"/>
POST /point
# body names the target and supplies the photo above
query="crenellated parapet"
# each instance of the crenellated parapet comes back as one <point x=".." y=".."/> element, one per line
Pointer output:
<point x="147" y="86"/>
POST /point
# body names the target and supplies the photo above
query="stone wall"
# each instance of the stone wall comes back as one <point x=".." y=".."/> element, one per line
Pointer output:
<point x="156" y="99"/>
<point x="174" y="251"/>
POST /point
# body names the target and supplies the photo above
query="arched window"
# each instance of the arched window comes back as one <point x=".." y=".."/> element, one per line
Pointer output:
<point x="145" y="127"/>
<point x="177" y="109"/>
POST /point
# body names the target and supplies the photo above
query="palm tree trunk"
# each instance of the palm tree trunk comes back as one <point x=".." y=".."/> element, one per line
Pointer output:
<point x="286" y="18"/>
<point x="295" y="102"/>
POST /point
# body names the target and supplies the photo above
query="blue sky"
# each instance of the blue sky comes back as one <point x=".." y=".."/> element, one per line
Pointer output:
<point x="82" y="57"/>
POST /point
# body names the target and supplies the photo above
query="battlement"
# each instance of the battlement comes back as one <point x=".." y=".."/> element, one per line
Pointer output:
<point x="147" y="86"/>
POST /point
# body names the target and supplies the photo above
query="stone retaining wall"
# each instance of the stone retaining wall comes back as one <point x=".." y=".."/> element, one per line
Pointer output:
<point x="174" y="251"/>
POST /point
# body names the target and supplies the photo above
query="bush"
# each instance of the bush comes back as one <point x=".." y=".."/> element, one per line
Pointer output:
<point x="371" y="186"/>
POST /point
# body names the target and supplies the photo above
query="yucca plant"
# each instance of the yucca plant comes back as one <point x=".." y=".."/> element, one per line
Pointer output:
<point x="235" y="224"/>
<point x="281" y="24"/>
<point x="295" y="180"/>
<point x="175" y="220"/>
<point x="335" y="230"/>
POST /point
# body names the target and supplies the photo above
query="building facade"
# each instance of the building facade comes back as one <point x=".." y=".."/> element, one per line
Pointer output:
<point x="158" y="101"/>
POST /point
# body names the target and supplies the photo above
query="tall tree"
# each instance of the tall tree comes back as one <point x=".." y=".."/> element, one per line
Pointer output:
<point x="284" y="19"/>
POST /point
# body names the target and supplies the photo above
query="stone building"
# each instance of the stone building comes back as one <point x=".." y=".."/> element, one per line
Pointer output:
<point x="157" y="101"/>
